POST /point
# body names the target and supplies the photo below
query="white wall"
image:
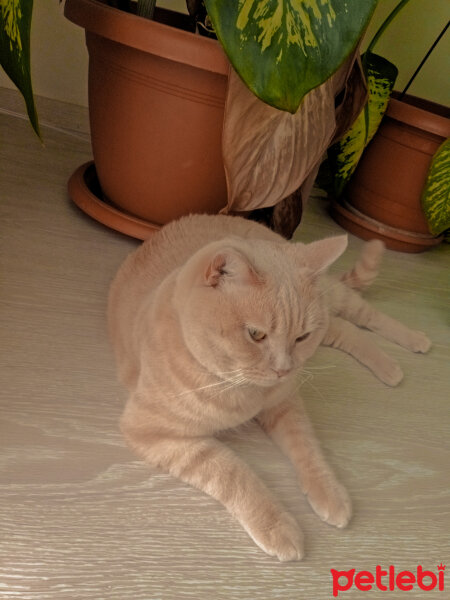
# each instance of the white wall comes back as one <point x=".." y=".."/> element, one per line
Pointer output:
<point x="59" y="57"/>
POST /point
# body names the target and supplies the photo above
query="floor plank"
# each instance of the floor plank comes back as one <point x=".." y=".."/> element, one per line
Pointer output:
<point x="81" y="517"/>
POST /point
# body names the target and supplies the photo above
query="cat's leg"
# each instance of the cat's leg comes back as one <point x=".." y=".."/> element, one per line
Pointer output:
<point x="349" y="338"/>
<point x="288" y="425"/>
<point x="210" y="466"/>
<point x="355" y="309"/>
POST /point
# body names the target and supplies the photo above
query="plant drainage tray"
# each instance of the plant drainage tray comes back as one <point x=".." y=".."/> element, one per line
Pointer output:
<point x="85" y="191"/>
<point x="367" y="228"/>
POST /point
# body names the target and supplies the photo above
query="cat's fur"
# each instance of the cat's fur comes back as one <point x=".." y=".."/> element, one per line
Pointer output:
<point x="182" y="310"/>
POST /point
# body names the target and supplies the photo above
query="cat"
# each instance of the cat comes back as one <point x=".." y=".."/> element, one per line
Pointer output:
<point x="210" y="320"/>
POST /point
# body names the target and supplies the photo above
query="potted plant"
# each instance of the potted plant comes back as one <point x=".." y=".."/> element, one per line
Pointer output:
<point x="15" y="27"/>
<point x="176" y="100"/>
<point x="157" y="94"/>
<point x="392" y="172"/>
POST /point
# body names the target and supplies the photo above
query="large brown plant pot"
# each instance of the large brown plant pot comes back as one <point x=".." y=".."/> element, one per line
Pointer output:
<point x="156" y="104"/>
<point x="383" y="198"/>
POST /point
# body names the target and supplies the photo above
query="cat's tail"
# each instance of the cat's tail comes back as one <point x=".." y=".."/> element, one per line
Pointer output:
<point x="366" y="268"/>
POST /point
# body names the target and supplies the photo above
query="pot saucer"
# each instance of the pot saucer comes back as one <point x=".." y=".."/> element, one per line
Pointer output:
<point x="367" y="228"/>
<point x="84" y="190"/>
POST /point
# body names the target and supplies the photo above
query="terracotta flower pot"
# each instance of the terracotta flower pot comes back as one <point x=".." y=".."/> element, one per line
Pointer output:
<point x="156" y="103"/>
<point x="383" y="198"/>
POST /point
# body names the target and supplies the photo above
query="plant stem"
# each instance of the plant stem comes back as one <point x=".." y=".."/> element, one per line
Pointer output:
<point x="146" y="8"/>
<point x="386" y="23"/>
<point x="425" y="58"/>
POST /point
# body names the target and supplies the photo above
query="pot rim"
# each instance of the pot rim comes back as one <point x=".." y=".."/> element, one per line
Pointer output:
<point x="148" y="36"/>
<point x="418" y="117"/>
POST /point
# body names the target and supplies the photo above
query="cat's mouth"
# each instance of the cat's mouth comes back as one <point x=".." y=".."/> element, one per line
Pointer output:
<point x="269" y="379"/>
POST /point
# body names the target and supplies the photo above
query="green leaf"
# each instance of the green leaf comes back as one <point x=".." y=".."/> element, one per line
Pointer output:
<point x="283" y="49"/>
<point x="345" y="155"/>
<point x="15" y="26"/>
<point x="436" y="194"/>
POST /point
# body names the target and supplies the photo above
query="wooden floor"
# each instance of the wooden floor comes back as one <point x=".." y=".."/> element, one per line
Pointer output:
<point x="82" y="518"/>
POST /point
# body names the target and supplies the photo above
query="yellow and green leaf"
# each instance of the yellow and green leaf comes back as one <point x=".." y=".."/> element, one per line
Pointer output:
<point x="282" y="49"/>
<point x="345" y="155"/>
<point x="15" y="26"/>
<point x="436" y="193"/>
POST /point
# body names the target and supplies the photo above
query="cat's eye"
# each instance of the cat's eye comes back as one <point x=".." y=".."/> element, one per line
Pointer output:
<point x="302" y="338"/>
<point x="256" y="334"/>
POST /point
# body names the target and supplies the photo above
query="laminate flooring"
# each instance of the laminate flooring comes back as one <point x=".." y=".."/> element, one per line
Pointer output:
<point x="82" y="518"/>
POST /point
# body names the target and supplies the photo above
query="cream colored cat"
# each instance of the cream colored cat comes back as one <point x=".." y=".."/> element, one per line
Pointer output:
<point x="211" y="319"/>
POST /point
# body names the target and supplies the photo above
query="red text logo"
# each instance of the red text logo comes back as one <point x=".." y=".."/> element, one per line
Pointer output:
<point x="388" y="579"/>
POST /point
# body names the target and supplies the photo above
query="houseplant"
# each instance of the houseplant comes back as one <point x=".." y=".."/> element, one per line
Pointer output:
<point x="15" y="27"/>
<point x="181" y="71"/>
<point x="186" y="164"/>
<point x="390" y="192"/>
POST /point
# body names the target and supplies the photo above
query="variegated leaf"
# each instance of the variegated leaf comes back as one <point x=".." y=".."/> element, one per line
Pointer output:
<point x="15" y="26"/>
<point x="436" y="194"/>
<point x="345" y="155"/>
<point x="282" y="49"/>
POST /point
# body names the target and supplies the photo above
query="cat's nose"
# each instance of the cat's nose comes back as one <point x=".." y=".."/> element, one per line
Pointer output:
<point x="282" y="372"/>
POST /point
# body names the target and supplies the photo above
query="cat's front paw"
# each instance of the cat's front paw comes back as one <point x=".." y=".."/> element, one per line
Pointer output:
<point x="389" y="373"/>
<point x="283" y="538"/>
<point x="419" y="342"/>
<point x="330" y="501"/>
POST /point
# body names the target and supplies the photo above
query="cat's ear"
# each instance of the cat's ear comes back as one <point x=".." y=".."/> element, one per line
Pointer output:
<point x="230" y="265"/>
<point x="319" y="255"/>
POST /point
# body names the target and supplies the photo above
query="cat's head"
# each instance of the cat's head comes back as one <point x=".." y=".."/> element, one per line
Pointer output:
<point x="253" y="308"/>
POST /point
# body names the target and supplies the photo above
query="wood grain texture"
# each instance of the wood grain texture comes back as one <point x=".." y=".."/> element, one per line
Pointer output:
<point x="82" y="518"/>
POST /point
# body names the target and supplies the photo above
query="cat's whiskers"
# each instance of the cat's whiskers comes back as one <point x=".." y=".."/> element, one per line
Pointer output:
<point x="217" y="384"/>
<point x="319" y="368"/>
<point x="234" y="384"/>
<point x="237" y="380"/>
<point x="233" y="372"/>
<point x="306" y="377"/>
<point x="315" y="389"/>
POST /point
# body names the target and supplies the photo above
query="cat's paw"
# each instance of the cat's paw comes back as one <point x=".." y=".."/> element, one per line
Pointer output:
<point x="330" y="501"/>
<point x="283" y="538"/>
<point x="390" y="374"/>
<point x="419" y="342"/>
